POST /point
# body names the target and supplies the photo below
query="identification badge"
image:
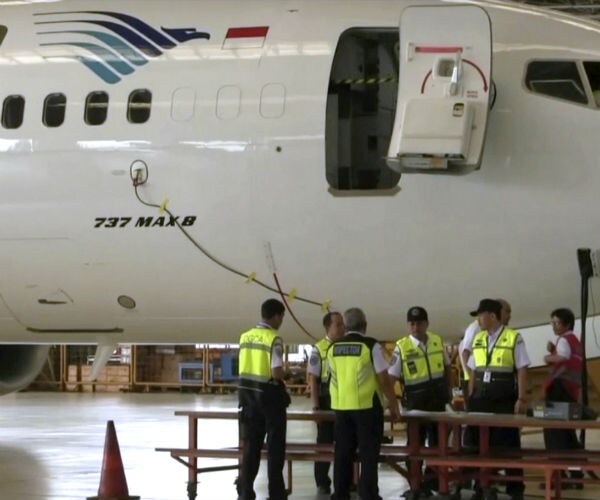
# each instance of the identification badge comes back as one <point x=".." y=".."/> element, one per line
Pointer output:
<point x="487" y="376"/>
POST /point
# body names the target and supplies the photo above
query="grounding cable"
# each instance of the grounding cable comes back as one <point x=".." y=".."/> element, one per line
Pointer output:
<point x="250" y="278"/>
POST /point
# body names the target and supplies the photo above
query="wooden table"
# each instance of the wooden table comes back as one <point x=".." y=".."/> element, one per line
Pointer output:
<point x="449" y="457"/>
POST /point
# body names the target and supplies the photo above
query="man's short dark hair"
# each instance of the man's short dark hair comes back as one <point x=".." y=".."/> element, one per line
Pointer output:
<point x="566" y="317"/>
<point x="328" y="318"/>
<point x="271" y="308"/>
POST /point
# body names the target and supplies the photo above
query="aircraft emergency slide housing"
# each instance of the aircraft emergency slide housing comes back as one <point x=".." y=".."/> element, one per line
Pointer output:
<point x="443" y="90"/>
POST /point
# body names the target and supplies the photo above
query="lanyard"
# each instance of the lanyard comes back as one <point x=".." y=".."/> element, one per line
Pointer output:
<point x="490" y="351"/>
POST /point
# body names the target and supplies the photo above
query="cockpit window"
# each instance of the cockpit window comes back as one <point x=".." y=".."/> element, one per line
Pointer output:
<point x="13" y="108"/>
<point x="361" y="102"/>
<point x="592" y="70"/>
<point x="558" y="79"/>
<point x="138" y="107"/>
<point x="54" y="109"/>
<point x="96" y="108"/>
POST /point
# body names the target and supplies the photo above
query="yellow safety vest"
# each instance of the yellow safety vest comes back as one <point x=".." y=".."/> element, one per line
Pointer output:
<point x="256" y="346"/>
<point x="353" y="384"/>
<point x="424" y="373"/>
<point x="495" y="371"/>
<point x="419" y="366"/>
<point x="322" y="346"/>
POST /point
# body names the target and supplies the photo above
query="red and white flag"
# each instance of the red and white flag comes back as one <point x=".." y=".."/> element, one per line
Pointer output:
<point x="249" y="37"/>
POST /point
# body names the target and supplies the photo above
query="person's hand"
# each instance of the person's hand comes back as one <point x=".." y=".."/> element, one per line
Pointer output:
<point x="550" y="347"/>
<point x="520" y="407"/>
<point x="394" y="410"/>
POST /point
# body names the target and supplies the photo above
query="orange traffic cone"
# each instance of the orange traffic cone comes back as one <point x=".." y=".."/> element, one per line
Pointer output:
<point x="113" y="485"/>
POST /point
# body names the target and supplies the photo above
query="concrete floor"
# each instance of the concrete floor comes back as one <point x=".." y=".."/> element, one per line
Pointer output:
<point x="51" y="447"/>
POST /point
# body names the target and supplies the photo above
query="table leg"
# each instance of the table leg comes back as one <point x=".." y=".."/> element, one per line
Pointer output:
<point x="414" y="448"/>
<point x="484" y="448"/>
<point x="443" y="471"/>
<point x="192" y="487"/>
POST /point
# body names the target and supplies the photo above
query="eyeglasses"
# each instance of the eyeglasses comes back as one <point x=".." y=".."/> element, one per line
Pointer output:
<point x="556" y="322"/>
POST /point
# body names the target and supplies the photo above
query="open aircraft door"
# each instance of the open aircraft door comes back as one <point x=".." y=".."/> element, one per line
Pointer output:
<point x="443" y="89"/>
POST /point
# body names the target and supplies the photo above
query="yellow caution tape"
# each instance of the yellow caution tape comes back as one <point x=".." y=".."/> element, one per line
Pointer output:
<point x="163" y="206"/>
<point x="250" y="278"/>
<point x="367" y="80"/>
<point x="325" y="306"/>
<point x="292" y="294"/>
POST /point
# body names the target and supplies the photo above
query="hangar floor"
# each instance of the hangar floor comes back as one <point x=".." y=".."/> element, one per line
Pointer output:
<point x="51" y="448"/>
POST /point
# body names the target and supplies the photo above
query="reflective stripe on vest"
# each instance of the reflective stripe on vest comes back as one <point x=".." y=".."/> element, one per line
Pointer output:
<point x="353" y="382"/>
<point x="419" y="366"/>
<point x="255" y="354"/>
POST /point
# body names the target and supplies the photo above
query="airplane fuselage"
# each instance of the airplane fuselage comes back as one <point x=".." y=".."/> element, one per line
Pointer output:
<point x="235" y="128"/>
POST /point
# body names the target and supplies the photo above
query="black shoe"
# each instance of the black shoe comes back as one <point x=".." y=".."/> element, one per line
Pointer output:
<point x="324" y="490"/>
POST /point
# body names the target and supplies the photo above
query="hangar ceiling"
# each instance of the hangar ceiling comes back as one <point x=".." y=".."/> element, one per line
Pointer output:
<point x="586" y="8"/>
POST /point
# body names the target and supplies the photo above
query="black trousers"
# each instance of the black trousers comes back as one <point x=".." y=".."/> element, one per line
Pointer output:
<point x="362" y="430"/>
<point x="507" y="438"/>
<point x="560" y="439"/>
<point x="325" y="435"/>
<point x="258" y="421"/>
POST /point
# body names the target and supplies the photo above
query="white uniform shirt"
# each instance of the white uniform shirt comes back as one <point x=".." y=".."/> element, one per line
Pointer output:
<point x="521" y="356"/>
<point x="563" y="348"/>
<point x="395" y="369"/>
<point x="467" y="340"/>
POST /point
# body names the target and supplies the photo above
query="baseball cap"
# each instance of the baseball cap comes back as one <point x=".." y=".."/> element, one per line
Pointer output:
<point x="416" y="314"/>
<point x="488" y="305"/>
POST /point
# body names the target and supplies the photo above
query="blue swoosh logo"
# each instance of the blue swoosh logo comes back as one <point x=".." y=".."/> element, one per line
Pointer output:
<point x="113" y="51"/>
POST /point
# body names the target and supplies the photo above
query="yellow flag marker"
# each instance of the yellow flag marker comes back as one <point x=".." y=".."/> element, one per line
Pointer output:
<point x="163" y="206"/>
<point x="292" y="294"/>
<point x="250" y="278"/>
<point x="325" y="305"/>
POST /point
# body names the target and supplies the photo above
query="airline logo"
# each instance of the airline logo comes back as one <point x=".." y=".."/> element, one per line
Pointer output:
<point x="111" y="44"/>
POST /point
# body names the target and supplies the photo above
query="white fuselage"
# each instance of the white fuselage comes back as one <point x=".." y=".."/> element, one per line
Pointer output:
<point x="249" y="166"/>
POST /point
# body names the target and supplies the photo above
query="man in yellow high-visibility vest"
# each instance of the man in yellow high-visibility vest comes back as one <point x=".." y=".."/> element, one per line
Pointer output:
<point x="498" y="364"/>
<point x="421" y="363"/>
<point x="359" y="379"/>
<point x="319" y="391"/>
<point x="263" y="400"/>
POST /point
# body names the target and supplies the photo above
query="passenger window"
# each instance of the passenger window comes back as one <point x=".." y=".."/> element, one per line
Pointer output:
<point x="556" y="79"/>
<point x="592" y="70"/>
<point x="361" y="102"/>
<point x="54" y="110"/>
<point x="96" y="108"/>
<point x="12" y="111"/>
<point x="138" y="107"/>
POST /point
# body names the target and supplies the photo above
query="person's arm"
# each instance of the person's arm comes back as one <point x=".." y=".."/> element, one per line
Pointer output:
<point x="387" y="385"/>
<point x="521" y="404"/>
<point x="551" y="359"/>
<point x="277" y="372"/>
<point x="314" y="391"/>
<point x="470" y="366"/>
<point x="558" y="353"/>
<point x="386" y="381"/>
